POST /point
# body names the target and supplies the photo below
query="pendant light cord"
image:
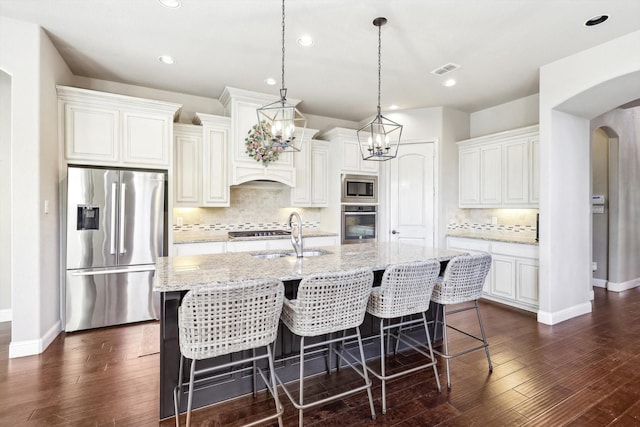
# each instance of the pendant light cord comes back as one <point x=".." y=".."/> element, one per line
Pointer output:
<point x="283" y="44"/>
<point x="379" y="62"/>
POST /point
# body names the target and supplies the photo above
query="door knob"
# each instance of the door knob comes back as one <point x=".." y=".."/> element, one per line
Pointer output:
<point x="395" y="232"/>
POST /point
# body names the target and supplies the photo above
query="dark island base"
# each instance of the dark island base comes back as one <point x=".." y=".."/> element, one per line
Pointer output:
<point x="235" y="384"/>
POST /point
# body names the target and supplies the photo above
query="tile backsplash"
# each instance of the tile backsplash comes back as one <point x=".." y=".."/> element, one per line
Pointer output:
<point x="520" y="222"/>
<point x="253" y="207"/>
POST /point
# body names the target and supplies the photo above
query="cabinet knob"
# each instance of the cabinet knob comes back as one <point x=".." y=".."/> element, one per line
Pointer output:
<point x="395" y="232"/>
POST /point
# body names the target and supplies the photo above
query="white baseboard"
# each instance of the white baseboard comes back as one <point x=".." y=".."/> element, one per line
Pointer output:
<point x="6" y="315"/>
<point x="619" y="287"/>
<point x="599" y="283"/>
<point x="555" y="317"/>
<point x="31" y="347"/>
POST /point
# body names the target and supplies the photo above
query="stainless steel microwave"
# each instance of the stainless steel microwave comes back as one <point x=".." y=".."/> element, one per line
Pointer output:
<point x="359" y="189"/>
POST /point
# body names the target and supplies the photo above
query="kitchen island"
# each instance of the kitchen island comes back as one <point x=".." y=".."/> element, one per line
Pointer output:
<point x="176" y="275"/>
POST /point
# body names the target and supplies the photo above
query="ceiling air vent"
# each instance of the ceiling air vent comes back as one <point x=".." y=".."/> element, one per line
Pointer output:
<point x="447" y="68"/>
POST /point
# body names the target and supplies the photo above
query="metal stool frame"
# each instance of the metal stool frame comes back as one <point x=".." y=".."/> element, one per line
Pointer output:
<point x="328" y="303"/>
<point x="462" y="282"/>
<point x="405" y="290"/>
<point x="224" y="318"/>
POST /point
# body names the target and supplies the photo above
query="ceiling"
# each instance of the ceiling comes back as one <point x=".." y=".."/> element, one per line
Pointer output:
<point x="500" y="45"/>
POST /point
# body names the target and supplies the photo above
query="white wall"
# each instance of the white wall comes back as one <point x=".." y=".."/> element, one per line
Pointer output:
<point x="5" y="194"/>
<point x="35" y="67"/>
<point x="511" y="115"/>
<point x="600" y="185"/>
<point x="572" y="92"/>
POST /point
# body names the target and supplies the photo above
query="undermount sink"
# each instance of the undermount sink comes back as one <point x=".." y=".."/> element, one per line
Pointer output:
<point x="269" y="256"/>
<point x="316" y="252"/>
<point x="272" y="255"/>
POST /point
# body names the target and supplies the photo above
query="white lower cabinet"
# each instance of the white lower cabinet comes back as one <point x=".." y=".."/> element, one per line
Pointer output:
<point x="199" y="248"/>
<point x="513" y="278"/>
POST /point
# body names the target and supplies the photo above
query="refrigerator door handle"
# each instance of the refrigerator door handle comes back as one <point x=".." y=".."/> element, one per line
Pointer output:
<point x="123" y="189"/>
<point x="134" y="269"/>
<point x="113" y="219"/>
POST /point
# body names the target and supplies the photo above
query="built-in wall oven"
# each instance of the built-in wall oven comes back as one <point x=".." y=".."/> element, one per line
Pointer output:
<point x="359" y="223"/>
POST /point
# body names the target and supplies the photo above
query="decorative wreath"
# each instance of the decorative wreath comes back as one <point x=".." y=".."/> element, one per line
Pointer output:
<point x="256" y="149"/>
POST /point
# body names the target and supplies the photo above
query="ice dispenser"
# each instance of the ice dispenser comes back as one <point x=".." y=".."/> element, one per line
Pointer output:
<point x="88" y="217"/>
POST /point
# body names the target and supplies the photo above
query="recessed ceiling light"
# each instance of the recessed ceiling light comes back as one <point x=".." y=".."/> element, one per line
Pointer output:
<point x="171" y="4"/>
<point x="270" y="81"/>
<point x="166" y="59"/>
<point x="596" y="20"/>
<point x="449" y="82"/>
<point x="393" y="107"/>
<point x="305" y="40"/>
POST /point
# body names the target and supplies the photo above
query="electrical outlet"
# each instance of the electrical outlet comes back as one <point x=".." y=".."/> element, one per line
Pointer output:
<point x="594" y="266"/>
<point x="179" y="221"/>
<point x="494" y="220"/>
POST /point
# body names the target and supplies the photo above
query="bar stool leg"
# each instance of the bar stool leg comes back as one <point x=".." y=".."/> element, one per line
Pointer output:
<point x="445" y="343"/>
<point x="366" y="376"/>
<point x="177" y="393"/>
<point x="274" y="385"/>
<point x="301" y="395"/>
<point x="435" y="368"/>
<point x="382" y="367"/>
<point x="254" y="376"/>
<point x="190" y="399"/>
<point x="484" y="337"/>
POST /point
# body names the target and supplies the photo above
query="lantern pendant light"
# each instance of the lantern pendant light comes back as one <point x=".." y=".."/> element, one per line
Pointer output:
<point x="380" y="138"/>
<point x="279" y="121"/>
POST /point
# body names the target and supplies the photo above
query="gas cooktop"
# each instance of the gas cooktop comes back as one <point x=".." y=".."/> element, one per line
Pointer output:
<point x="258" y="233"/>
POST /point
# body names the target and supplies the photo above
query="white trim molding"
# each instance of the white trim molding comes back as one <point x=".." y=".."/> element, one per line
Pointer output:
<point x="619" y="287"/>
<point x="568" y="313"/>
<point x="599" y="283"/>
<point x="6" y="315"/>
<point x="31" y="347"/>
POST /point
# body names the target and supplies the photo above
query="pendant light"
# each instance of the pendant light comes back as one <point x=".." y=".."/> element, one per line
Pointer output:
<point x="279" y="121"/>
<point x="380" y="138"/>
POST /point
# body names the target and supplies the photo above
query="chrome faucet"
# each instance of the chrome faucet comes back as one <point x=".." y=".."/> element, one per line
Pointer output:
<point x="296" y="241"/>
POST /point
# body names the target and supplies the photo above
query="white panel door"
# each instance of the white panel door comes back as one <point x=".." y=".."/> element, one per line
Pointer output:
<point x="412" y="195"/>
<point x="491" y="175"/>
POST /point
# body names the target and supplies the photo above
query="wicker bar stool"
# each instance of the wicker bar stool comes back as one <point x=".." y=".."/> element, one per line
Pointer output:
<point x="225" y="318"/>
<point x="328" y="303"/>
<point x="405" y="290"/>
<point x="462" y="282"/>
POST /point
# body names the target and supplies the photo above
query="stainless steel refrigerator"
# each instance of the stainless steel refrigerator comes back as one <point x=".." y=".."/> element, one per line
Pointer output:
<point x="114" y="233"/>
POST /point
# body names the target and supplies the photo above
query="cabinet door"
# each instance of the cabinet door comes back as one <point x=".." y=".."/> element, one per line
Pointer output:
<point x="301" y="193"/>
<point x="91" y="133"/>
<point x="351" y="156"/>
<point x="534" y="171"/>
<point x="469" y="177"/>
<point x="187" y="168"/>
<point x="503" y="276"/>
<point x="215" y="173"/>
<point x="319" y="175"/>
<point x="491" y="175"/>
<point x="145" y="138"/>
<point x="516" y="173"/>
<point x="527" y="280"/>
<point x="199" y="248"/>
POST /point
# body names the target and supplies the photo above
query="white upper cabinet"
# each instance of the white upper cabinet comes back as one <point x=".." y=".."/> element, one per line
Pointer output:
<point x="312" y="168"/>
<point x="241" y="106"/>
<point x="500" y="170"/>
<point x="346" y="141"/>
<point x="201" y="162"/>
<point x="187" y="162"/>
<point x="115" y="130"/>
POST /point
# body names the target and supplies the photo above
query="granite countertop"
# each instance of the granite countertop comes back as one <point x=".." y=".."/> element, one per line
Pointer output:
<point x="183" y="272"/>
<point x="495" y="237"/>
<point x="203" y="236"/>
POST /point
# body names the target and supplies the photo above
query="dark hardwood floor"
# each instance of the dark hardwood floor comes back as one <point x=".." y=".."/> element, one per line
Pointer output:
<point x="582" y="372"/>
